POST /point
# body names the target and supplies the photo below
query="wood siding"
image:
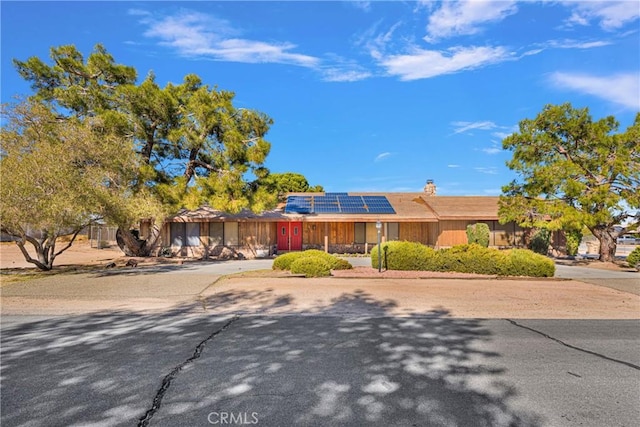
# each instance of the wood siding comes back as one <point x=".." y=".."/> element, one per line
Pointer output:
<point x="453" y="233"/>
<point x="254" y="234"/>
<point x="340" y="233"/>
<point x="414" y="232"/>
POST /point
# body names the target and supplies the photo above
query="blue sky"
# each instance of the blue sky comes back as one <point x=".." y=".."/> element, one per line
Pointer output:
<point x="366" y="96"/>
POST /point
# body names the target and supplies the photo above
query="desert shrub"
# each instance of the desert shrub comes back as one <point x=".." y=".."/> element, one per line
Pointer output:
<point x="334" y="262"/>
<point x="397" y="255"/>
<point x="472" y="258"/>
<point x="523" y="262"/>
<point x="633" y="259"/>
<point x="574" y="237"/>
<point x="478" y="233"/>
<point x="469" y="258"/>
<point x="311" y="266"/>
<point x="283" y="262"/>
<point x="340" y="264"/>
<point x="540" y="241"/>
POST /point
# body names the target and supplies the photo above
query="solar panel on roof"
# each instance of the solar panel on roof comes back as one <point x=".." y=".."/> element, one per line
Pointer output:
<point x="378" y="204"/>
<point x="298" y="204"/>
<point x="339" y="203"/>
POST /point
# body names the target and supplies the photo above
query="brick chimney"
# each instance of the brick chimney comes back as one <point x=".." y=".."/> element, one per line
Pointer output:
<point x="429" y="188"/>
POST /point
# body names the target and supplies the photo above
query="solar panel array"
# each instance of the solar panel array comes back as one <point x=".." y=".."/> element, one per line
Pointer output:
<point x="338" y="203"/>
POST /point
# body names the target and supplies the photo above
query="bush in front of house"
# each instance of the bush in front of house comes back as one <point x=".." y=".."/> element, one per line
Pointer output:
<point x="311" y="266"/>
<point x="478" y="233"/>
<point x="633" y="259"/>
<point x="284" y="262"/>
<point x="472" y="258"/>
<point x="523" y="262"/>
<point x="540" y="241"/>
<point x="469" y="258"/>
<point x="574" y="237"/>
<point x="402" y="255"/>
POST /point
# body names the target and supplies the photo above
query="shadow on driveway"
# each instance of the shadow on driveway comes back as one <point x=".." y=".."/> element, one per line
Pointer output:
<point x="324" y="369"/>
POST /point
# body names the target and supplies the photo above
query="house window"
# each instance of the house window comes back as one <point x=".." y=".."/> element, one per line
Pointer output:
<point x="359" y="232"/>
<point x="372" y="233"/>
<point x="216" y="234"/>
<point x="177" y="233"/>
<point x="193" y="233"/>
<point x="185" y="234"/>
<point x="393" y="231"/>
<point x="231" y="233"/>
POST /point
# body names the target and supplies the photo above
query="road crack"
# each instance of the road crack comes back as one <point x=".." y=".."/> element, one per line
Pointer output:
<point x="168" y="379"/>
<point x="593" y="353"/>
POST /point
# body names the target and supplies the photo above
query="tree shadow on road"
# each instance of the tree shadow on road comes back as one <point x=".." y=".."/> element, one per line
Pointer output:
<point x="345" y="363"/>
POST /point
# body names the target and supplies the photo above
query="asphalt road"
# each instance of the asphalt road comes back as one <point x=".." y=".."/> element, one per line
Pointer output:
<point x="180" y="368"/>
<point x="429" y="370"/>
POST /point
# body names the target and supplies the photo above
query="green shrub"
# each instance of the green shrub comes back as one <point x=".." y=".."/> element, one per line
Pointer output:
<point x="340" y="264"/>
<point x="540" y="242"/>
<point x="523" y="262"/>
<point x="403" y="255"/>
<point x="283" y="262"/>
<point x="574" y="237"/>
<point x="633" y="259"/>
<point x="478" y="233"/>
<point x="311" y="266"/>
<point x="472" y="258"/>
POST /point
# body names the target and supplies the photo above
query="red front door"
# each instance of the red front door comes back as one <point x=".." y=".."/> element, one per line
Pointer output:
<point x="289" y="236"/>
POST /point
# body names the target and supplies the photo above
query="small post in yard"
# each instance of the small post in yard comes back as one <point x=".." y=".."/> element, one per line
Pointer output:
<point x="379" y="227"/>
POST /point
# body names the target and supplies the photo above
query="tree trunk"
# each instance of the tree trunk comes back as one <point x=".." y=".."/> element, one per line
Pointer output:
<point x="45" y="248"/>
<point x="608" y="243"/>
<point x="130" y="244"/>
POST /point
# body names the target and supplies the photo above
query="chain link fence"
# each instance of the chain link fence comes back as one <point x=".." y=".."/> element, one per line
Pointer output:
<point x="102" y="236"/>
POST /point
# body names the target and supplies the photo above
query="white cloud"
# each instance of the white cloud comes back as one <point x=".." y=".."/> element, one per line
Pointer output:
<point x="487" y="170"/>
<point x="453" y="166"/>
<point x="462" y="127"/>
<point x="466" y="17"/>
<point x="381" y="156"/>
<point x="342" y="75"/>
<point x="623" y="89"/>
<point x="611" y="15"/>
<point x="200" y="35"/>
<point x="361" y="4"/>
<point x="492" y="150"/>
<point x="576" y="44"/>
<point x="503" y="135"/>
<point x="424" y="64"/>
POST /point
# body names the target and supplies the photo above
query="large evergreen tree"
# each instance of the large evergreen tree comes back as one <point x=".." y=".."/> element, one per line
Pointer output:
<point x="195" y="146"/>
<point x="574" y="171"/>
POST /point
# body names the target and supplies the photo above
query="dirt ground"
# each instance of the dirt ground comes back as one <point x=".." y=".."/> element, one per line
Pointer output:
<point x="78" y="255"/>
<point x="362" y="291"/>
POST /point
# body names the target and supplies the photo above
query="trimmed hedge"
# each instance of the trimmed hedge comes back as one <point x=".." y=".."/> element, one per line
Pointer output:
<point x="285" y="261"/>
<point x="523" y="262"/>
<point x="311" y="266"/>
<point x="633" y="259"/>
<point x="401" y="255"/>
<point x="469" y="258"/>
